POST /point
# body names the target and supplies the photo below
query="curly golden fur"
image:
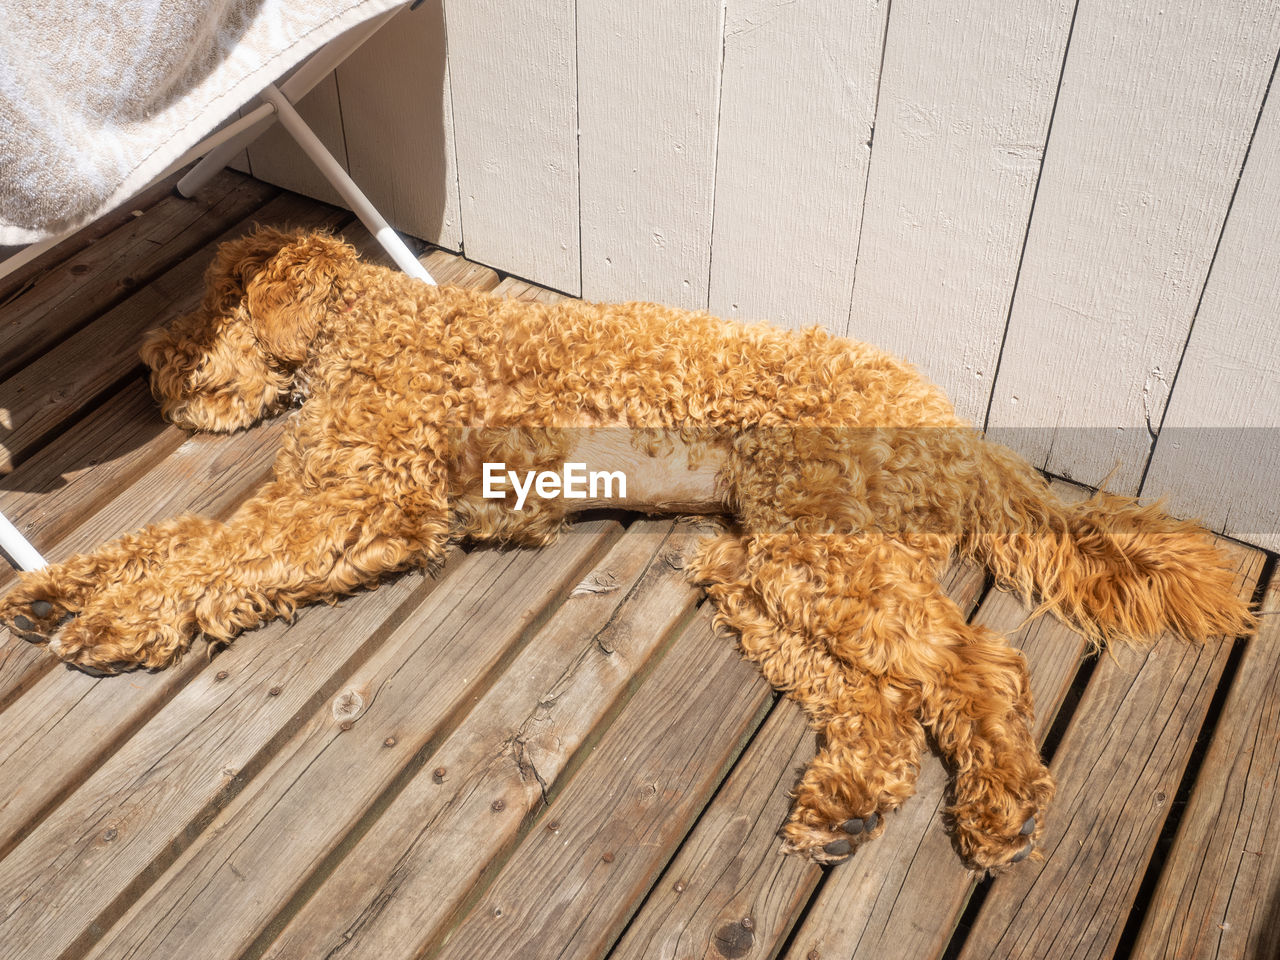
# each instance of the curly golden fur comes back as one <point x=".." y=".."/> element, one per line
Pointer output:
<point x="849" y="479"/>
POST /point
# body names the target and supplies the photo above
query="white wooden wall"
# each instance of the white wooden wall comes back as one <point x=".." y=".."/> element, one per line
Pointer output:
<point x="1066" y="212"/>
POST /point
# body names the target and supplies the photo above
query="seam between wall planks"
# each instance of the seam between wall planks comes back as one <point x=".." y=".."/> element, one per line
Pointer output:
<point x="577" y="134"/>
<point x="1026" y="233"/>
<point x="453" y="135"/>
<point x="1213" y="261"/>
<point x="866" y="181"/>
<point x="720" y="105"/>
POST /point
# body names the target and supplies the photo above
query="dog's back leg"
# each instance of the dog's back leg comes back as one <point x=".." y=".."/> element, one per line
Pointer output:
<point x="870" y="737"/>
<point x="876" y="605"/>
<point x="283" y="548"/>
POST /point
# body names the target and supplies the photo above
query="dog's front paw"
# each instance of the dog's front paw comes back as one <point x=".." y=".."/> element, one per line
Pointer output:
<point x="33" y="610"/>
<point x="99" y="643"/>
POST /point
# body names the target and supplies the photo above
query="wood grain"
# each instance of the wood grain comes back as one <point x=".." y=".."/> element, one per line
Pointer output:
<point x="422" y="861"/>
<point x="1219" y="892"/>
<point x="449" y="268"/>
<point x="71" y="720"/>
<point x="1157" y="105"/>
<point x="730" y="867"/>
<point x="72" y="875"/>
<point x="98" y="456"/>
<point x="1117" y="769"/>
<point x="647" y="164"/>
<point x="518" y="289"/>
<point x="965" y="98"/>
<point x="797" y="106"/>
<point x="73" y="292"/>
<point x="569" y="888"/>
<point x="407" y="697"/>
<point x="28" y="275"/>
<point x="514" y="84"/>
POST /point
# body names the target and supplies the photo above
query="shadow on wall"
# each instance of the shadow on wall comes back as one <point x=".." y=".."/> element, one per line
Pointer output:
<point x="381" y="129"/>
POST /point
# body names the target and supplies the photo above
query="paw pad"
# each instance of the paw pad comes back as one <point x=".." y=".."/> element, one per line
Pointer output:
<point x="42" y="608"/>
<point x="858" y="825"/>
<point x="1028" y="828"/>
<point x="838" y="848"/>
<point x="23" y="624"/>
<point x="1021" y="854"/>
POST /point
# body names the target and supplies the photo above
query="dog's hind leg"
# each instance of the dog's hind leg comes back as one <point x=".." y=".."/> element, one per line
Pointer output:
<point x="876" y="605"/>
<point x="283" y="548"/>
<point x="979" y="709"/>
<point x="870" y="736"/>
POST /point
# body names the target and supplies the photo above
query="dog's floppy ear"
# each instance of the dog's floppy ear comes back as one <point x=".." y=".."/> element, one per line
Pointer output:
<point x="288" y="297"/>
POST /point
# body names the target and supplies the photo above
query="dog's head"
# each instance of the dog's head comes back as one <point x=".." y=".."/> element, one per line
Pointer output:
<point x="233" y="359"/>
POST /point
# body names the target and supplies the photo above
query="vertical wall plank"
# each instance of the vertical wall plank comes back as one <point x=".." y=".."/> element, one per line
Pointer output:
<point x="399" y="126"/>
<point x="1218" y="454"/>
<point x="966" y="93"/>
<point x="797" y="106"/>
<point x="1157" y="105"/>
<point x="275" y="158"/>
<point x="649" y="86"/>
<point x="514" y="85"/>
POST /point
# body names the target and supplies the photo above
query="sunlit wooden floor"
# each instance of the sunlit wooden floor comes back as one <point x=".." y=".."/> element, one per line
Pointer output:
<point x="538" y="753"/>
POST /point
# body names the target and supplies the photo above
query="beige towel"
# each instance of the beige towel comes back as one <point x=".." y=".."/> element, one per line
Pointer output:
<point x="99" y="97"/>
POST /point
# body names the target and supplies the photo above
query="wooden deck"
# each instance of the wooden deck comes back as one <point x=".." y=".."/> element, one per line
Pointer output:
<point x="539" y="753"/>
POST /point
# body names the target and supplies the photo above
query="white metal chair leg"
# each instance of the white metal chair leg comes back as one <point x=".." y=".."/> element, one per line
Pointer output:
<point x="18" y="548"/>
<point x="333" y="172"/>
<point x="299" y="83"/>
<point x="249" y="127"/>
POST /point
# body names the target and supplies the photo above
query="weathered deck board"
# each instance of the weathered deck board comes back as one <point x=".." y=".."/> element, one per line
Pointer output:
<point x="33" y="272"/>
<point x="605" y="838"/>
<point x="417" y="867"/>
<point x="1219" y="893"/>
<point x="69" y="718"/>
<point x="126" y="259"/>
<point x="206" y="474"/>
<point x="730" y="892"/>
<point x="44" y="393"/>
<point x="102" y="453"/>
<point x="414" y="689"/>
<point x="191" y="813"/>
<point x="73" y="721"/>
<point x="63" y="482"/>
<point x="96" y="852"/>
<point x="447" y="268"/>
<point x="730" y="868"/>
<point x="518" y="289"/>
<point x="1117" y="769"/>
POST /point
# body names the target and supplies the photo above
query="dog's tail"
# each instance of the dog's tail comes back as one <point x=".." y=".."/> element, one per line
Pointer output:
<point x="1111" y="567"/>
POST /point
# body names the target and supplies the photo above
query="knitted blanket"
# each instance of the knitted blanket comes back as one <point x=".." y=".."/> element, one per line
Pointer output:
<point x="99" y="97"/>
